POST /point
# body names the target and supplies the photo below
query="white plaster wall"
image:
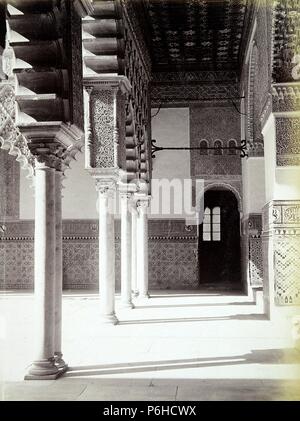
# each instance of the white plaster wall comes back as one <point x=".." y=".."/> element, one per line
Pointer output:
<point x="170" y="127"/>
<point x="26" y="196"/>
<point x="254" y="194"/>
<point x="269" y="134"/>
<point x="282" y="183"/>
<point x="79" y="193"/>
<point x="287" y="184"/>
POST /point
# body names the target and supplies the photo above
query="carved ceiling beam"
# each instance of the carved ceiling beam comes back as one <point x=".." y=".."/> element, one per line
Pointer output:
<point x="111" y="52"/>
<point x="43" y="58"/>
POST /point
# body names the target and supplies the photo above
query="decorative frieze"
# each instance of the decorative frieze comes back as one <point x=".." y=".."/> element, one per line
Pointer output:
<point x="193" y="93"/>
<point x="199" y="77"/>
<point x="281" y="214"/>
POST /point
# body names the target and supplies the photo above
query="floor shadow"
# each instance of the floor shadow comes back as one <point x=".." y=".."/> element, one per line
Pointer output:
<point x="195" y="319"/>
<point x="183" y="295"/>
<point x="266" y="356"/>
<point x="246" y="303"/>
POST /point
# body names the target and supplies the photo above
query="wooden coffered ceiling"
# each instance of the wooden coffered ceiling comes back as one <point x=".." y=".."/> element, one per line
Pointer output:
<point x="191" y="35"/>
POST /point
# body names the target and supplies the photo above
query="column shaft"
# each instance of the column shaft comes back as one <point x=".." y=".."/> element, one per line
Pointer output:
<point x="126" y="251"/>
<point x="58" y="272"/>
<point x="142" y="248"/>
<point x="44" y="273"/>
<point x="107" y="254"/>
<point x="134" y="286"/>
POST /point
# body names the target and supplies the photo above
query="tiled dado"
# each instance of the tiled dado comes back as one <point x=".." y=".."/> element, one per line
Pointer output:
<point x="252" y="228"/>
<point x="281" y="232"/>
<point x="282" y="214"/>
<point x="172" y="255"/>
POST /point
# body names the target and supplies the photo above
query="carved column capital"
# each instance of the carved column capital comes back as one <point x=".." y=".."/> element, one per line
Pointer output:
<point x="53" y="145"/>
<point x="105" y="186"/>
<point x="46" y="159"/>
<point x="126" y="195"/>
<point x="143" y="203"/>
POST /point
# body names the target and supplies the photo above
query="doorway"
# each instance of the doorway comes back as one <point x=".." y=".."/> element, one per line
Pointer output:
<point x="219" y="242"/>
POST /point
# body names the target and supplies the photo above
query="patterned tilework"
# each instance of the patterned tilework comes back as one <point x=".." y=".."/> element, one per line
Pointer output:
<point x="16" y="259"/>
<point x="172" y="255"/>
<point x="255" y="261"/>
<point x="287" y="269"/>
<point x="173" y="264"/>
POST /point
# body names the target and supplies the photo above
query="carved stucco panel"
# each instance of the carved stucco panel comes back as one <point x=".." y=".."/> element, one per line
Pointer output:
<point x="287" y="141"/>
<point x="102" y="119"/>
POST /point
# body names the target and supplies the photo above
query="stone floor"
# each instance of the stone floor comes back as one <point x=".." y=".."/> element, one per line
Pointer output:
<point x="174" y="346"/>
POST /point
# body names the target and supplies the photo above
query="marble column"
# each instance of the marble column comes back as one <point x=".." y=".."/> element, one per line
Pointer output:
<point x="126" y="250"/>
<point x="134" y="278"/>
<point x="44" y="366"/>
<point x="106" y="196"/>
<point x="60" y="363"/>
<point x="142" y="247"/>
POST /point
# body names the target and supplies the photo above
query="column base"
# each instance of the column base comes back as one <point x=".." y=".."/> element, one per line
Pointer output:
<point x="127" y="305"/>
<point x="59" y="362"/>
<point x="44" y="370"/>
<point x="109" y="319"/>
<point x="143" y="297"/>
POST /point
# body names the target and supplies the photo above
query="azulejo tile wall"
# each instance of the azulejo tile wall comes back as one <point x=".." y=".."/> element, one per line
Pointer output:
<point x="172" y="255"/>
<point x="252" y="250"/>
